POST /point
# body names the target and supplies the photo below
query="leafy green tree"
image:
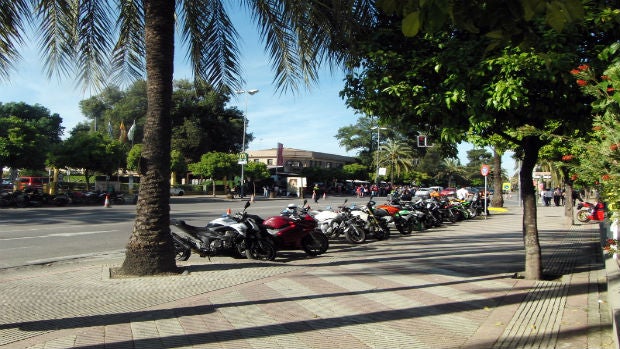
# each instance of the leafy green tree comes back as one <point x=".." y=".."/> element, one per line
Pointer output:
<point x="597" y="158"/>
<point x="133" y="157"/>
<point x="215" y="165"/>
<point x="177" y="164"/>
<point x="355" y="171"/>
<point x="255" y="172"/>
<point x="503" y="21"/>
<point x="95" y="107"/>
<point x="462" y="83"/>
<point x="200" y="121"/>
<point x="25" y="132"/>
<point x="89" y="151"/>
<point x="202" y="124"/>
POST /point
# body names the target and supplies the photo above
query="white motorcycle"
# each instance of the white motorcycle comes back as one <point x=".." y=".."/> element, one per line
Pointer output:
<point x="342" y="222"/>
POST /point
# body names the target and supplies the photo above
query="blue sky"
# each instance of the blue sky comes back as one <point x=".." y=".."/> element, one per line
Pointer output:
<point x="308" y="120"/>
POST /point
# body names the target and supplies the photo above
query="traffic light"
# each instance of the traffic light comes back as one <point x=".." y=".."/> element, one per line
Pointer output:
<point x="422" y="141"/>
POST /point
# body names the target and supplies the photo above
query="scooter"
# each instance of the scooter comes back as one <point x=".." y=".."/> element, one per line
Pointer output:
<point x="238" y="235"/>
<point x="295" y="229"/>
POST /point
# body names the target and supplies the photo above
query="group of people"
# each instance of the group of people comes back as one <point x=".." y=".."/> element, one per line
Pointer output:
<point x="556" y="194"/>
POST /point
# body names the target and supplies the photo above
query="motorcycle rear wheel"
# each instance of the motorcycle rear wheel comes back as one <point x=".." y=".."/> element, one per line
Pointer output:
<point x="315" y="243"/>
<point x="583" y="216"/>
<point x="261" y="250"/>
<point x="354" y="234"/>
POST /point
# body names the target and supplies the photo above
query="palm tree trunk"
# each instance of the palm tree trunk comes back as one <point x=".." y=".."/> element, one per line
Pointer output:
<point x="533" y="255"/>
<point x="150" y="250"/>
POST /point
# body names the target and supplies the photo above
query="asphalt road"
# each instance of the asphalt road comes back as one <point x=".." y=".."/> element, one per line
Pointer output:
<point x="30" y="236"/>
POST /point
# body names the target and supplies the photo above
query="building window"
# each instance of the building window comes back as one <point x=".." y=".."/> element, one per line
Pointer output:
<point x="328" y="165"/>
<point x="269" y="161"/>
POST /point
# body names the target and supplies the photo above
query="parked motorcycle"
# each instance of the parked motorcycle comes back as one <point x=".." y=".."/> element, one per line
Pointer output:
<point x="295" y="229"/>
<point x="405" y="217"/>
<point x="587" y="211"/>
<point x="237" y="235"/>
<point x="336" y="223"/>
<point x="376" y="222"/>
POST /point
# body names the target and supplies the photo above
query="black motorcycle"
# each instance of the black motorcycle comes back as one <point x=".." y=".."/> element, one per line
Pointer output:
<point x="233" y="235"/>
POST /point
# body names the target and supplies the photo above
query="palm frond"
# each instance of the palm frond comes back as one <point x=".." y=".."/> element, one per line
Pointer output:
<point x="274" y="25"/>
<point x="302" y="35"/>
<point x="211" y="38"/>
<point x="12" y="13"/>
<point x="57" y="39"/>
<point x="128" y="58"/>
<point x="94" y="42"/>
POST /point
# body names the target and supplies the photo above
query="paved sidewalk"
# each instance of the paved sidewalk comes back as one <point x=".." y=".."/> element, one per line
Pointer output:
<point x="449" y="287"/>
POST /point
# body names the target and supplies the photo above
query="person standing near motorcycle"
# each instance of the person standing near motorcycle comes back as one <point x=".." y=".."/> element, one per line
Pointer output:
<point x="315" y="193"/>
<point x="462" y="193"/>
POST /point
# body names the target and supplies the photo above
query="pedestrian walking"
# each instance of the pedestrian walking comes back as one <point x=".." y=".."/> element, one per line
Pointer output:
<point x="557" y="195"/>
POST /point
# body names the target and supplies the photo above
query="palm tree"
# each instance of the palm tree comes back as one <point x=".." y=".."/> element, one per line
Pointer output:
<point x="101" y="39"/>
<point x="452" y="170"/>
<point x="397" y="155"/>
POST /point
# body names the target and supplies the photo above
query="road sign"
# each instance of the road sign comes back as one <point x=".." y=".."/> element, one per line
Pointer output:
<point x="484" y="170"/>
<point x="243" y="159"/>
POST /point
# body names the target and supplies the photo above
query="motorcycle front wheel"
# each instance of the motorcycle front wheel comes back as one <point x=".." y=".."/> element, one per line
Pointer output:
<point x="181" y="253"/>
<point x="404" y="226"/>
<point x="583" y="216"/>
<point x="315" y="243"/>
<point x="261" y="250"/>
<point x="355" y="234"/>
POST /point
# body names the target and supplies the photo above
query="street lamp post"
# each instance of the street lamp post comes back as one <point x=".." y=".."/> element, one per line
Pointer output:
<point x="378" y="144"/>
<point x="247" y="92"/>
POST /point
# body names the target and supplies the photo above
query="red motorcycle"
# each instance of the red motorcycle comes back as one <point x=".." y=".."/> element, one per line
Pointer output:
<point x="588" y="211"/>
<point x="295" y="229"/>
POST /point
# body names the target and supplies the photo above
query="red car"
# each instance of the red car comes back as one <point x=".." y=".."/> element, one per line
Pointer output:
<point x="448" y="192"/>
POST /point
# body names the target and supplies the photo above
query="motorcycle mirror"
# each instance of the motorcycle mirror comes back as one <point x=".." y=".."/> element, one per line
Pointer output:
<point x="305" y="202"/>
<point x="247" y="204"/>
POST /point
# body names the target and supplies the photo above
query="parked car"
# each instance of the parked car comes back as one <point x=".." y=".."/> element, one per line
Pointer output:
<point x="6" y="184"/>
<point x="448" y="192"/>
<point x="178" y="191"/>
<point x="423" y="192"/>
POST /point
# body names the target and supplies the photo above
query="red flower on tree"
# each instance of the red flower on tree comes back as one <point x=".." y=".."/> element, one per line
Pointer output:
<point x="581" y="82"/>
<point x="575" y="71"/>
<point x="613" y="147"/>
<point x="605" y="177"/>
<point x="583" y="67"/>
<point x="568" y="157"/>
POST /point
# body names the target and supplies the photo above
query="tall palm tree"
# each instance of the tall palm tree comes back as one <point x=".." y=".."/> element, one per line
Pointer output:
<point x="452" y="170"/>
<point x="124" y="38"/>
<point x="397" y="155"/>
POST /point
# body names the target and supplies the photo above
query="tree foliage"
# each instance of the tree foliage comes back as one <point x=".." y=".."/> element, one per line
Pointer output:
<point x="91" y="152"/>
<point x="452" y="82"/>
<point x="26" y="132"/>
